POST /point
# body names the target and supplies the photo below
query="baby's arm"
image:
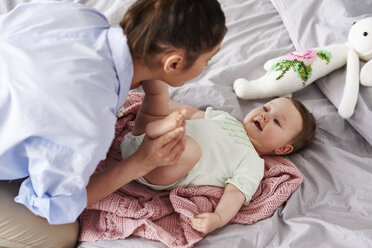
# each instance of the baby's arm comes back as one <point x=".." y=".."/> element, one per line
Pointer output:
<point x="230" y="203"/>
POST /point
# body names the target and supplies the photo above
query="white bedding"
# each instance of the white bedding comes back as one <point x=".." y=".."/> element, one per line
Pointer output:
<point x="333" y="206"/>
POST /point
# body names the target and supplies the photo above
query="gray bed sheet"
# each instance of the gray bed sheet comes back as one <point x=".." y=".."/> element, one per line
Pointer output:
<point x="333" y="206"/>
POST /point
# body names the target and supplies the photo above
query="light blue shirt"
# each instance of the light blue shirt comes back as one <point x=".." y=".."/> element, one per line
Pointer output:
<point x="64" y="73"/>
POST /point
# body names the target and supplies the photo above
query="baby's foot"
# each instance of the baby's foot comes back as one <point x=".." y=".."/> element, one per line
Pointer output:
<point x="159" y="127"/>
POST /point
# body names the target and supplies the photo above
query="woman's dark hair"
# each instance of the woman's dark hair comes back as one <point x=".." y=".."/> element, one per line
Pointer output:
<point x="156" y="26"/>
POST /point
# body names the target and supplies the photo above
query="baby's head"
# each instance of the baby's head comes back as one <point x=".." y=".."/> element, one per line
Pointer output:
<point x="281" y="126"/>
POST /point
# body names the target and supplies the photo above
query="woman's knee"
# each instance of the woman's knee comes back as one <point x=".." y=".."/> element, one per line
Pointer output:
<point x="19" y="227"/>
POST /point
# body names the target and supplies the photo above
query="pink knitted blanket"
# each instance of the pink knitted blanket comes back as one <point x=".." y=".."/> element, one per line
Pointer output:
<point x="164" y="216"/>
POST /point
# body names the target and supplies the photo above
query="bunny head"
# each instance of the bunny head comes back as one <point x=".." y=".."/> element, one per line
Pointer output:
<point x="360" y="38"/>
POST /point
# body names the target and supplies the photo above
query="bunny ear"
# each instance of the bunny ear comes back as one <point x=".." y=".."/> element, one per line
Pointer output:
<point x="351" y="88"/>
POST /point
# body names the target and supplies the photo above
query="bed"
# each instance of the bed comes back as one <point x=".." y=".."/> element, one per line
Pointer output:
<point x="333" y="206"/>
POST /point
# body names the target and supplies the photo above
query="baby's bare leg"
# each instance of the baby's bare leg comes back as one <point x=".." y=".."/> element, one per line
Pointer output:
<point x="155" y="106"/>
<point x="159" y="127"/>
<point x="154" y="119"/>
<point x="170" y="174"/>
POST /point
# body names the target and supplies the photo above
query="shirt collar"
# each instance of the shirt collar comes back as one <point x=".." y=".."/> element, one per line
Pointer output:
<point x="122" y="62"/>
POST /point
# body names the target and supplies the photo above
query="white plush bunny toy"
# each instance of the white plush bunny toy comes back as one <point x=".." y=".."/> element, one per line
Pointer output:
<point x="296" y="70"/>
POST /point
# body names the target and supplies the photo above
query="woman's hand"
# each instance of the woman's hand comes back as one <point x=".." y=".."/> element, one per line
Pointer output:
<point x="162" y="151"/>
<point x="206" y="222"/>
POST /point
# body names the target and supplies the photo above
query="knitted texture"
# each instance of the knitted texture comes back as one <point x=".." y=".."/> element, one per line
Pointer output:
<point x="137" y="210"/>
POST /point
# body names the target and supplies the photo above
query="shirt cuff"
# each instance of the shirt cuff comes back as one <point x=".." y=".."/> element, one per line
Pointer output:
<point x="61" y="209"/>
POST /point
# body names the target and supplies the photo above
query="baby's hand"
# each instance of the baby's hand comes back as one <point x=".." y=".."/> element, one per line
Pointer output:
<point x="206" y="222"/>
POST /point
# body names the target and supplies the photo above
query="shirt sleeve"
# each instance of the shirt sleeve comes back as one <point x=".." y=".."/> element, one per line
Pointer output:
<point x="56" y="186"/>
<point x="63" y="91"/>
<point x="210" y="113"/>
<point x="247" y="177"/>
<point x="51" y="16"/>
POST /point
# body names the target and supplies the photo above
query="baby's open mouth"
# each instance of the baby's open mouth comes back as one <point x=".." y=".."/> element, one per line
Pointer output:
<point x="258" y="125"/>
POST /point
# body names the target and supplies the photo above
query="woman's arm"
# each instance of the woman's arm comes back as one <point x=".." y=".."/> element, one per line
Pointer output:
<point x="152" y="153"/>
<point x="230" y="203"/>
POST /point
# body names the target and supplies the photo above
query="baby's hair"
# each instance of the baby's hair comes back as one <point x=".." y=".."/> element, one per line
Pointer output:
<point x="153" y="27"/>
<point x="306" y="135"/>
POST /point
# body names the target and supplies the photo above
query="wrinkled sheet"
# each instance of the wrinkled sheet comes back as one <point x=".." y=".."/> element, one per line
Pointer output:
<point x="333" y="206"/>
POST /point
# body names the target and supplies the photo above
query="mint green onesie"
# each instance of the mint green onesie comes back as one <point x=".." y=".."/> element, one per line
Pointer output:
<point x="228" y="155"/>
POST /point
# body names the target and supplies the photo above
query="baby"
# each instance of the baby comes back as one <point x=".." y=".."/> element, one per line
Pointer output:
<point x="219" y="150"/>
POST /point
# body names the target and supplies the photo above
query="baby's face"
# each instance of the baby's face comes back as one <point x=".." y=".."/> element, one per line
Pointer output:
<point x="273" y="125"/>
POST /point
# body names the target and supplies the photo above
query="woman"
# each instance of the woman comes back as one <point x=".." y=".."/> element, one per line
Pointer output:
<point x="64" y="75"/>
